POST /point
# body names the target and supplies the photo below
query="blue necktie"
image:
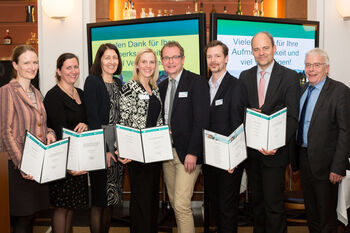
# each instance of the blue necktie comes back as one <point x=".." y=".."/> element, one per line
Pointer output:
<point x="300" y="138"/>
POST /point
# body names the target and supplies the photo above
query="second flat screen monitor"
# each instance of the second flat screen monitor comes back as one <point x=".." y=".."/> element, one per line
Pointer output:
<point x="293" y="38"/>
<point x="132" y="35"/>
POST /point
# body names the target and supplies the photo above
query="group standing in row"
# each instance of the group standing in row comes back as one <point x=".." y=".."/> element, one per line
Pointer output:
<point x="317" y="138"/>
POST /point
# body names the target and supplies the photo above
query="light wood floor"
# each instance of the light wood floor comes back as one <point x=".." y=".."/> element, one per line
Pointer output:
<point x="42" y="229"/>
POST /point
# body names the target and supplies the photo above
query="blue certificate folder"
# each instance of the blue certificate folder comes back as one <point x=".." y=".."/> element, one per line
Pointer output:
<point x="265" y="131"/>
<point x="224" y="152"/>
<point x="45" y="163"/>
<point x="87" y="150"/>
<point x="144" y="145"/>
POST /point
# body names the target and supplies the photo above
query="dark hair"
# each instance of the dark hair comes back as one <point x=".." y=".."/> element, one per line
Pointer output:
<point x="267" y="34"/>
<point x="214" y="43"/>
<point x="96" y="66"/>
<point x="18" y="51"/>
<point x="173" y="44"/>
<point x="60" y="61"/>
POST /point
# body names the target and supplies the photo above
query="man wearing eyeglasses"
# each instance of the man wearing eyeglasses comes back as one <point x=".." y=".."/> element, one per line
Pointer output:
<point x="323" y="139"/>
<point x="186" y="110"/>
<point x="271" y="87"/>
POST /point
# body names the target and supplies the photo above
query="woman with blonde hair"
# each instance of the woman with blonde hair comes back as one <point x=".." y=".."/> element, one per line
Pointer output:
<point x="141" y="107"/>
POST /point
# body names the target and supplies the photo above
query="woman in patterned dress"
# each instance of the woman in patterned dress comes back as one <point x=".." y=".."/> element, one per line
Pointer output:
<point x="65" y="108"/>
<point x="102" y="93"/>
<point x="141" y="107"/>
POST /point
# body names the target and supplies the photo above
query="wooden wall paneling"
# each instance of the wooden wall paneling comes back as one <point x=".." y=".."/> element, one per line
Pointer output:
<point x="4" y="194"/>
<point x="296" y="9"/>
<point x="13" y="17"/>
<point x="102" y="10"/>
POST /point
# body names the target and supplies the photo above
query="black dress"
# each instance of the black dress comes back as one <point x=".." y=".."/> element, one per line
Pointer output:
<point x="63" y="111"/>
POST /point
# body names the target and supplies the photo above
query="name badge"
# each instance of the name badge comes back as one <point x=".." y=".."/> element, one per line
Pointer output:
<point x="183" y="94"/>
<point x="219" y="102"/>
<point x="143" y="97"/>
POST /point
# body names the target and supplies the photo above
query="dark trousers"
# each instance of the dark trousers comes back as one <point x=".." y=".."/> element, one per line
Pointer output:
<point x="222" y="190"/>
<point x="320" y="197"/>
<point x="267" y="185"/>
<point x="144" y="203"/>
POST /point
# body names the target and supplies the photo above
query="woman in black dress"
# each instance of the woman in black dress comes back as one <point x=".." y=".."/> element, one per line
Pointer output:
<point x="65" y="109"/>
<point x="102" y="93"/>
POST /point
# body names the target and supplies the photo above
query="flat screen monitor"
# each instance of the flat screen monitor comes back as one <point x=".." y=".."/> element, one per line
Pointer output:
<point x="132" y="35"/>
<point x="293" y="38"/>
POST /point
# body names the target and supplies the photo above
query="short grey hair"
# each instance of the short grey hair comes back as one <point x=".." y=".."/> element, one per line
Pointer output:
<point x="320" y="52"/>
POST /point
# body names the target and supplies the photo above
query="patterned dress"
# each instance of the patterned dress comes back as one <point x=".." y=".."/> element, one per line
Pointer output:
<point x="114" y="173"/>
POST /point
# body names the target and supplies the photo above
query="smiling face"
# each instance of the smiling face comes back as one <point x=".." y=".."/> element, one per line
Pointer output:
<point x="172" y="61"/>
<point x="146" y="66"/>
<point x="216" y="60"/>
<point x="109" y="62"/>
<point x="27" y="66"/>
<point x="315" y="68"/>
<point x="70" y="71"/>
<point x="263" y="50"/>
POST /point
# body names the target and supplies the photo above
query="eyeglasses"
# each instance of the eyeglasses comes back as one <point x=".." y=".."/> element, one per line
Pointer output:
<point x="174" y="58"/>
<point x="315" y="65"/>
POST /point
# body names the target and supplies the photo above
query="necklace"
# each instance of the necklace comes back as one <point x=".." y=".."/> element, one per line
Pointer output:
<point x="70" y="95"/>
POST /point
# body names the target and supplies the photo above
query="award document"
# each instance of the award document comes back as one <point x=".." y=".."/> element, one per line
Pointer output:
<point x="86" y="151"/>
<point x="225" y="152"/>
<point x="145" y="145"/>
<point x="263" y="131"/>
<point x="44" y="162"/>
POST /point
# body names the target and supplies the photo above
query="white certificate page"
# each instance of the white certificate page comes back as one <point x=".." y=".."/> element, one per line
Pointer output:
<point x="33" y="157"/>
<point x="257" y="126"/>
<point x="92" y="150"/>
<point x="129" y="143"/>
<point x="237" y="147"/>
<point x="216" y="151"/>
<point x="55" y="161"/>
<point x="277" y="129"/>
<point x="74" y="149"/>
<point x="157" y="144"/>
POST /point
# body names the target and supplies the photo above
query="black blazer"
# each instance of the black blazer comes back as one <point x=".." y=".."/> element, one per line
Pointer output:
<point x="63" y="111"/>
<point x="329" y="131"/>
<point x="283" y="91"/>
<point x="97" y="101"/>
<point x="226" y="117"/>
<point x="190" y="115"/>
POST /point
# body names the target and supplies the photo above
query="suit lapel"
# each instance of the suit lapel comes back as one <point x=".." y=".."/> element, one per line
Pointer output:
<point x="253" y="92"/>
<point x="222" y="89"/>
<point x="26" y="100"/>
<point x="181" y="87"/>
<point x="321" y="99"/>
<point x="275" y="79"/>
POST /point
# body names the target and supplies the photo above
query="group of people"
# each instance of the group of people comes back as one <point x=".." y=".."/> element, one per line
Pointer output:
<point x="317" y="138"/>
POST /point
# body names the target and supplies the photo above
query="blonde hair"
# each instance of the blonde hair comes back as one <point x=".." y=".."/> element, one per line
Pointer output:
<point x="135" y="71"/>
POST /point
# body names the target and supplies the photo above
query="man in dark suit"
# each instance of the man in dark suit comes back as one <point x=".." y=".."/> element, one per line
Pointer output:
<point x="271" y="87"/>
<point x="228" y="100"/>
<point x="186" y="110"/>
<point x="323" y="138"/>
